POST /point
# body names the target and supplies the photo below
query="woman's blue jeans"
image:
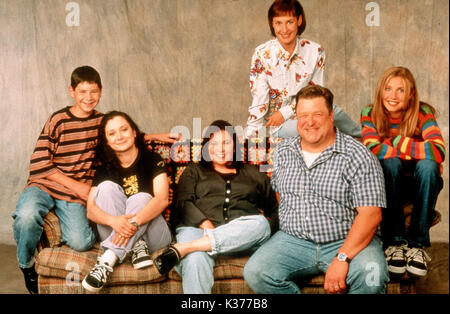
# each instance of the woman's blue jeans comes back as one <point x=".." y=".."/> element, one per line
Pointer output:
<point x="409" y="180"/>
<point x="285" y="260"/>
<point x="32" y="207"/>
<point x="241" y="236"/>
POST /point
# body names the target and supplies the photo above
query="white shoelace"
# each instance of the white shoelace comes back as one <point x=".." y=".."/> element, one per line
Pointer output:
<point x="395" y="252"/>
<point x="140" y="249"/>
<point x="418" y="255"/>
<point x="100" y="272"/>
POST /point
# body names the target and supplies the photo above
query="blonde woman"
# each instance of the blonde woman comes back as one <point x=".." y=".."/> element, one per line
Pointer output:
<point x="403" y="133"/>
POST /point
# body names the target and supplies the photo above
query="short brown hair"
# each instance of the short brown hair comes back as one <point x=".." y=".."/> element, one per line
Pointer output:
<point x="85" y="74"/>
<point x="314" y="91"/>
<point x="287" y="7"/>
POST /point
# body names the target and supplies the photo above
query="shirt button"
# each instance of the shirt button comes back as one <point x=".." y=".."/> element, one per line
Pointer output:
<point x="228" y="181"/>
<point x="225" y="209"/>
<point x="228" y="191"/>
<point x="227" y="200"/>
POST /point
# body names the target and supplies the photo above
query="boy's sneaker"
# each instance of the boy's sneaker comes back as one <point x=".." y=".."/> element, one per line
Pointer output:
<point x="416" y="262"/>
<point x="97" y="277"/>
<point x="140" y="255"/>
<point x="396" y="259"/>
<point x="31" y="279"/>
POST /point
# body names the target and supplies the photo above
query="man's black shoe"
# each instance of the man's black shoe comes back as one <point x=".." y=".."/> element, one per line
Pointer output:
<point x="31" y="279"/>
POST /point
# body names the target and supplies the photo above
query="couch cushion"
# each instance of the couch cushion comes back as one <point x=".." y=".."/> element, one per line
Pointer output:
<point x="48" y="285"/>
<point x="227" y="267"/>
<point x="63" y="262"/>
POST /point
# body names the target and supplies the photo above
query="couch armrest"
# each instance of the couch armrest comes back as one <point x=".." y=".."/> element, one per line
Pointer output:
<point x="51" y="235"/>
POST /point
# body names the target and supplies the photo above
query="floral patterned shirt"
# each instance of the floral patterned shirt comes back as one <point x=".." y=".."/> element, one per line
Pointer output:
<point x="276" y="77"/>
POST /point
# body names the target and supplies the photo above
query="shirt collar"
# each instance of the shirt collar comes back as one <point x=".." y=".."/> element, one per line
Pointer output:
<point x="284" y="54"/>
<point x="338" y="146"/>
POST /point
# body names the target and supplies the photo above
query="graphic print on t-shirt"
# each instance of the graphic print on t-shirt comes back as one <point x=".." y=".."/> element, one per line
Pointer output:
<point x="130" y="185"/>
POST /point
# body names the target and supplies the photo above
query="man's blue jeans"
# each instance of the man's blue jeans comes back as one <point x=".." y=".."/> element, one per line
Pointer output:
<point x="285" y="259"/>
<point x="32" y="207"/>
<point x="241" y="236"/>
<point x="416" y="181"/>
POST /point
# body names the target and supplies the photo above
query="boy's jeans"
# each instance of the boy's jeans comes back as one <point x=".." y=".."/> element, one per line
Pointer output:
<point x="242" y="235"/>
<point x="32" y="207"/>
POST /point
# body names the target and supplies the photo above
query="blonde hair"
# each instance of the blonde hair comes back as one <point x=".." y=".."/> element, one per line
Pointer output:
<point x="380" y="116"/>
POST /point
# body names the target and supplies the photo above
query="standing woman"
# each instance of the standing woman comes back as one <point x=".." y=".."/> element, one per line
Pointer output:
<point x="129" y="192"/>
<point x="280" y="68"/>
<point x="220" y="204"/>
<point x="403" y="133"/>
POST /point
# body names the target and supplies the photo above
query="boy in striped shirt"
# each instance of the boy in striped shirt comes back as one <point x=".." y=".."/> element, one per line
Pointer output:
<point x="61" y="174"/>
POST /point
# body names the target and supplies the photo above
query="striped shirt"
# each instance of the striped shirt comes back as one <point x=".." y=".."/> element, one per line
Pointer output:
<point x="318" y="203"/>
<point x="427" y="144"/>
<point x="66" y="144"/>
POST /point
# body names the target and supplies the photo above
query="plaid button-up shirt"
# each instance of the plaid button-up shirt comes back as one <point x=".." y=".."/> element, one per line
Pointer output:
<point x="318" y="203"/>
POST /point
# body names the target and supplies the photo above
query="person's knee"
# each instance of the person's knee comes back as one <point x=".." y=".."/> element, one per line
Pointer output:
<point x="107" y="187"/>
<point x="427" y="168"/>
<point x="138" y="201"/>
<point x="81" y="241"/>
<point x="370" y="278"/>
<point x="27" y="217"/>
<point x="253" y="273"/>
<point x="369" y="273"/>
<point x="391" y="165"/>
<point x="262" y="226"/>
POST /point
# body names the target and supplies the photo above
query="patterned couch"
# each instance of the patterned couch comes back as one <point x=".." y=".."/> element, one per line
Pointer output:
<point x="62" y="269"/>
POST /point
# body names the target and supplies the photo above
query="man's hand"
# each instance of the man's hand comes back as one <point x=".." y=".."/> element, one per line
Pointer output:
<point x="163" y="137"/>
<point x="335" y="277"/>
<point x="276" y="119"/>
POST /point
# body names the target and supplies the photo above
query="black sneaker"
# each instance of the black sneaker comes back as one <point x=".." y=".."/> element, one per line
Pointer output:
<point x="167" y="260"/>
<point x="140" y="256"/>
<point x="416" y="262"/>
<point x="97" y="277"/>
<point x="31" y="279"/>
<point x="396" y="260"/>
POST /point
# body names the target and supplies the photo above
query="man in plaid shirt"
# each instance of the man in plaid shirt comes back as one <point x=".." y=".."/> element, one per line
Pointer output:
<point x="331" y="190"/>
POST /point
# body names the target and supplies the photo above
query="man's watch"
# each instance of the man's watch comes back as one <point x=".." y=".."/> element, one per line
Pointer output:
<point x="134" y="223"/>
<point x="342" y="257"/>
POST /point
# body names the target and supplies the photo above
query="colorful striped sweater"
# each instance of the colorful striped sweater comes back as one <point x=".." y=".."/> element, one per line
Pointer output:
<point x="66" y="144"/>
<point x="428" y="145"/>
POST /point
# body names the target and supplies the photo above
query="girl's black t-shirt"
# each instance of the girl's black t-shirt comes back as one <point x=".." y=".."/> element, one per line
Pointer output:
<point x="136" y="178"/>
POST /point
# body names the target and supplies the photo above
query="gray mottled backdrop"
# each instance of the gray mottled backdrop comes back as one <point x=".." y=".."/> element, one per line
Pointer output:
<point x="168" y="61"/>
